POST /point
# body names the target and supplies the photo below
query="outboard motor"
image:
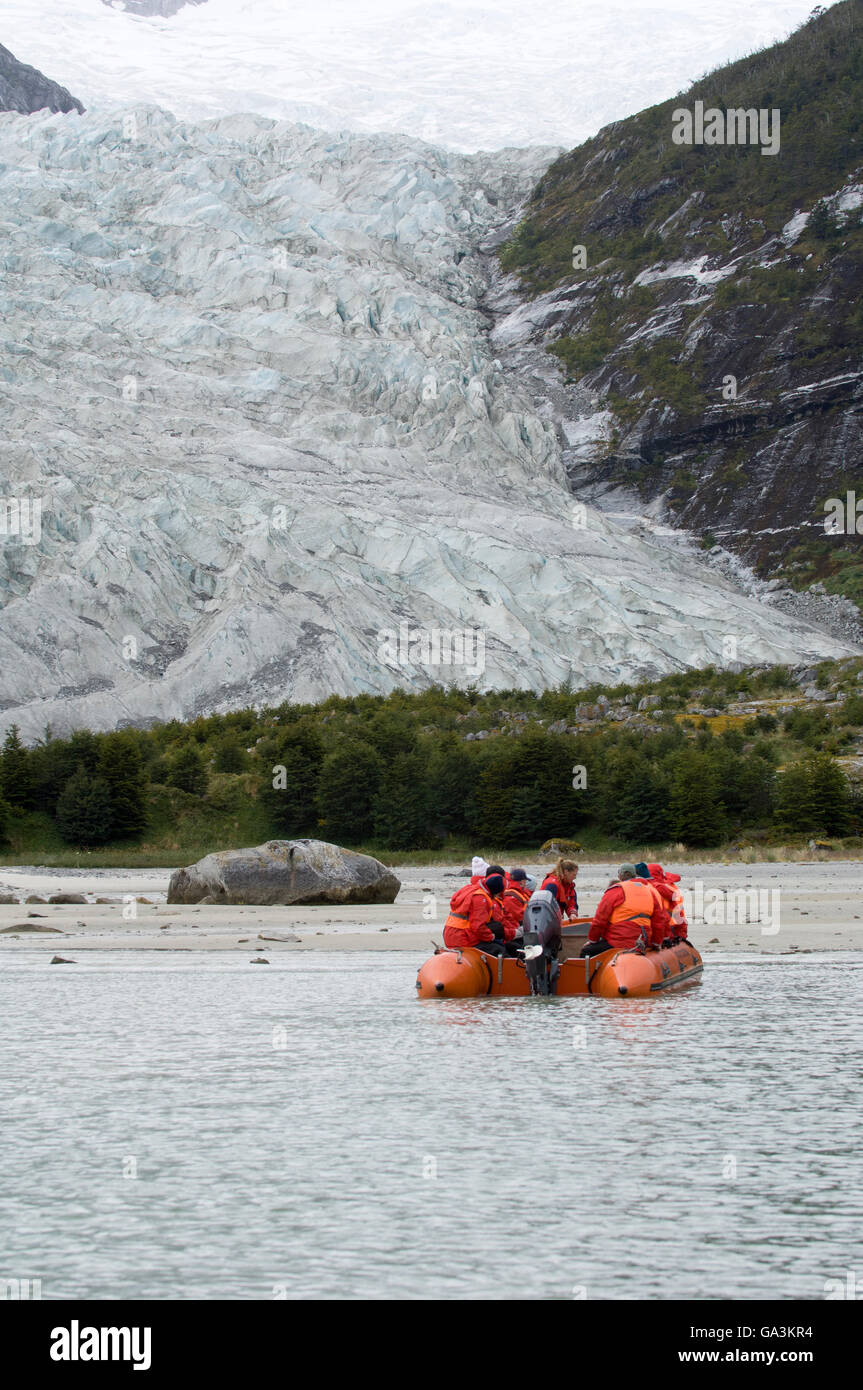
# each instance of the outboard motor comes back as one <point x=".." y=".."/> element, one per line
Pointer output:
<point x="541" y="941"/>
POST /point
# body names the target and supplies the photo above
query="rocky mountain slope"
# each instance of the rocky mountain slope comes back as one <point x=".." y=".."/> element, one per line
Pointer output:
<point x="246" y="376"/>
<point x="24" y="89"/>
<point x="160" y="8"/>
<point x="707" y="359"/>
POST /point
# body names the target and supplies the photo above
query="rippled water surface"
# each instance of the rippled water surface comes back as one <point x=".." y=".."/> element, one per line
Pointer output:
<point x="311" y="1130"/>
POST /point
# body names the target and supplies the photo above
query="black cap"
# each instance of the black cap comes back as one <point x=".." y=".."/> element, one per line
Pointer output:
<point x="517" y="874"/>
<point x="495" y="869"/>
<point x="642" y="871"/>
<point x="494" y="884"/>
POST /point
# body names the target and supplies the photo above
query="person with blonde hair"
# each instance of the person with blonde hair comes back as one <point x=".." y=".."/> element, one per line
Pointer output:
<point x="561" y="882"/>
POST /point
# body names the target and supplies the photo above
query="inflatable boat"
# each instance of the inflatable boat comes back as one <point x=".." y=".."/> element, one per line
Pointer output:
<point x="555" y="967"/>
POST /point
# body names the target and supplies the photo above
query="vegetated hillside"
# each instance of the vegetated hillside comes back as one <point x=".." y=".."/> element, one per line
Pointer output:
<point x="693" y="760"/>
<point x="711" y="261"/>
<point x="24" y="89"/>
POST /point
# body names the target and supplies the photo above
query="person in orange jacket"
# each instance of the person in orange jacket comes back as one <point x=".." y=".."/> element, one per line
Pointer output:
<point x="629" y="913"/>
<point x="679" y="924"/>
<point x="516" y="896"/>
<point x="663" y="879"/>
<point x="653" y="874"/>
<point x="476" y="916"/>
<point x="561" y="882"/>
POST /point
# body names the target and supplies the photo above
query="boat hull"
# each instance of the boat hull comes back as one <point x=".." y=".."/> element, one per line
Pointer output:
<point x="470" y="974"/>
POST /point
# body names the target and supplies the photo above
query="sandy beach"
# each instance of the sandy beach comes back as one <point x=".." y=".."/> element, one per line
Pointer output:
<point x="757" y="907"/>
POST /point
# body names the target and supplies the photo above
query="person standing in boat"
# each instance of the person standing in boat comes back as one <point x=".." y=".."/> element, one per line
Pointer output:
<point x="476" y="917"/>
<point x="630" y="913"/>
<point x="561" y="882"/>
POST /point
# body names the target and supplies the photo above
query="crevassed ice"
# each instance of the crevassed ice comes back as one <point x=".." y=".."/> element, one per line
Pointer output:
<point x="244" y="368"/>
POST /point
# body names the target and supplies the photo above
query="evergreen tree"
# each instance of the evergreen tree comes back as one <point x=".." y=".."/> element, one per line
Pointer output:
<point x="16" y="772"/>
<point x="529" y="823"/>
<point x="230" y="755"/>
<point x="402" y="817"/>
<point x="121" y="769"/>
<point x="54" y="762"/>
<point x="813" y="796"/>
<point x="450" y="779"/>
<point x="84" y="810"/>
<point x="5" y="822"/>
<point x="695" y="808"/>
<point x="745" y="786"/>
<point x="390" y="732"/>
<point x="188" y="771"/>
<point x="349" y="781"/>
<point x="642" y="812"/>
<point x="293" y="806"/>
<point x="793" y="810"/>
<point x="495" y="791"/>
<point x="830" y="795"/>
<point x="83" y="750"/>
<point x="634" y="798"/>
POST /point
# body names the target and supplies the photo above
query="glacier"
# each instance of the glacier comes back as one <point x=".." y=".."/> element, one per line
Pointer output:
<point x="246" y="371"/>
<point x="467" y="74"/>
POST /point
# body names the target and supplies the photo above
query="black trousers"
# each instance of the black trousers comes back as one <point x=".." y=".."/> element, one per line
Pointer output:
<point x="498" y="948"/>
<point x="593" y="948"/>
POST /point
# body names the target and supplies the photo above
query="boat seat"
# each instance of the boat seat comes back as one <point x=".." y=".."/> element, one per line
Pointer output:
<point x="572" y="939"/>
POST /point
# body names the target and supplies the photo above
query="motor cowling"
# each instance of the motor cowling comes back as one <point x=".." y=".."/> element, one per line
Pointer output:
<point x="541" y="941"/>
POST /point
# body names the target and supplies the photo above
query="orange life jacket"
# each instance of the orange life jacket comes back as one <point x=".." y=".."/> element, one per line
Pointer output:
<point x="678" y="912"/>
<point x="637" y="908"/>
<point x="515" y="900"/>
<point x="459" y="904"/>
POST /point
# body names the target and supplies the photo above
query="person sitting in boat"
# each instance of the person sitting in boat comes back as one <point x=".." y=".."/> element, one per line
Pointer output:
<point x="679" y="924"/>
<point x="653" y="874"/>
<point x="476" y="917"/>
<point x="561" y="882"/>
<point x="666" y="883"/>
<point x="518" y="886"/>
<point x="478" y="869"/>
<point x="630" y="913"/>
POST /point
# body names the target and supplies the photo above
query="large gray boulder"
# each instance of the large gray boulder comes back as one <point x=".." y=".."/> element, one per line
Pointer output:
<point x="285" y="872"/>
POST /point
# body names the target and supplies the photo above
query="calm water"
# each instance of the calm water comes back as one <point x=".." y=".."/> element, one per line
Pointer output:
<point x="311" y="1130"/>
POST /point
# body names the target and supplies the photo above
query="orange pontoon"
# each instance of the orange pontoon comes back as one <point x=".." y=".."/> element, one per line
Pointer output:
<point x="469" y="973"/>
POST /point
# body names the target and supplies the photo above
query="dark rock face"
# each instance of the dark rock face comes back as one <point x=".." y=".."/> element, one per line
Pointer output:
<point x="282" y="872"/>
<point x="151" y="7"/>
<point x="712" y="311"/>
<point x="752" y="472"/>
<point x="24" y="89"/>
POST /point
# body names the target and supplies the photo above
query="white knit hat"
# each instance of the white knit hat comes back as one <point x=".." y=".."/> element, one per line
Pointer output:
<point x="478" y="866"/>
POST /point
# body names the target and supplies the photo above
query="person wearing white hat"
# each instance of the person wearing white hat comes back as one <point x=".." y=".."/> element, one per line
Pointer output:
<point x="478" y="868"/>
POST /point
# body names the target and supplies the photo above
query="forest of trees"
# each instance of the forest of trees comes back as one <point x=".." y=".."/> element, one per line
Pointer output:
<point x="399" y="773"/>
